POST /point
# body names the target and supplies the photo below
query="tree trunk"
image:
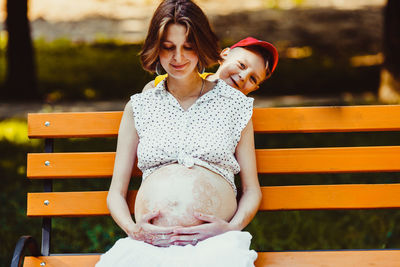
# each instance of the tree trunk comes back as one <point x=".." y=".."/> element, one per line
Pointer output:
<point x="389" y="89"/>
<point x="21" y="75"/>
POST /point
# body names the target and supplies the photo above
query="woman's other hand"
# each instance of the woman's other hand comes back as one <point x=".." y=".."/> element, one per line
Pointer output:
<point x="211" y="226"/>
<point x="145" y="231"/>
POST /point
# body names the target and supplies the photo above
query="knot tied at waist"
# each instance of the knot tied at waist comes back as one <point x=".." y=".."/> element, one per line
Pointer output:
<point x="186" y="160"/>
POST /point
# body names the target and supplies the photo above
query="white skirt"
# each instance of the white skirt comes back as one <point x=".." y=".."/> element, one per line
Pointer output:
<point x="228" y="249"/>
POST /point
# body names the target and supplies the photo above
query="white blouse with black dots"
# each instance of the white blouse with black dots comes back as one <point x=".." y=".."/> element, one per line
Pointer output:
<point x="206" y="134"/>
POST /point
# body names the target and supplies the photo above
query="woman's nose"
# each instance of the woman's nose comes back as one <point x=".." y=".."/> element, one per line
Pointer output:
<point x="177" y="55"/>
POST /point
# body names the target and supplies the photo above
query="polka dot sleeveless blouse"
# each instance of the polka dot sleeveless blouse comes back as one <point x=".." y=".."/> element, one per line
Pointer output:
<point x="206" y="134"/>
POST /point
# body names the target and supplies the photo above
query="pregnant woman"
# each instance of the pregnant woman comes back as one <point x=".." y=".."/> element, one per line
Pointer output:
<point x="190" y="137"/>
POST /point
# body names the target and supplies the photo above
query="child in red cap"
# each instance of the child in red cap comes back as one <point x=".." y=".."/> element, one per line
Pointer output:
<point x="244" y="65"/>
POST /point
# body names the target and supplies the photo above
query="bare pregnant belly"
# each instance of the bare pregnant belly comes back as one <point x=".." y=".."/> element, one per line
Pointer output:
<point x="177" y="192"/>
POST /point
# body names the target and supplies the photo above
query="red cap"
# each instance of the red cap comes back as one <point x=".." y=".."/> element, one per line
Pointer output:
<point x="252" y="41"/>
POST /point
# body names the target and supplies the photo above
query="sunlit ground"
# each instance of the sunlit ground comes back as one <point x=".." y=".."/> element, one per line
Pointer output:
<point x="120" y="9"/>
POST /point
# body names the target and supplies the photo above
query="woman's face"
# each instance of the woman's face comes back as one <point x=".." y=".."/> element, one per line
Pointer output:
<point x="242" y="69"/>
<point x="177" y="56"/>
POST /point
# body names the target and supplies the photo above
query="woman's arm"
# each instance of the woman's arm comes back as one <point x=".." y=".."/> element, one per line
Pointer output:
<point x="248" y="204"/>
<point x="128" y="140"/>
<point x="124" y="159"/>
<point x="251" y="198"/>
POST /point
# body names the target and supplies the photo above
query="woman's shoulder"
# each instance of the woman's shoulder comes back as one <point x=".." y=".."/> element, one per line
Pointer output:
<point x="149" y="85"/>
<point x="148" y="96"/>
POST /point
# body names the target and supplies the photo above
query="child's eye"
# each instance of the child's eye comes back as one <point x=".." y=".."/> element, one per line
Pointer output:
<point x="253" y="79"/>
<point x="242" y="65"/>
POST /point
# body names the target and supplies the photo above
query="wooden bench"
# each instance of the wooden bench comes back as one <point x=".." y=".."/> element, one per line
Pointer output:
<point x="50" y="166"/>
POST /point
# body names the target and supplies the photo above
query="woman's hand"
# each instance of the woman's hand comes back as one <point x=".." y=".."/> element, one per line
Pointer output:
<point x="143" y="230"/>
<point x="212" y="226"/>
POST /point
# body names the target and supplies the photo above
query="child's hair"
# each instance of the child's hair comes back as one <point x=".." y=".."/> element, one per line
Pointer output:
<point x="266" y="55"/>
<point x="198" y="33"/>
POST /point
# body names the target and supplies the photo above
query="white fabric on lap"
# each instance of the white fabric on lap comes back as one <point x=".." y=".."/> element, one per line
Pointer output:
<point x="229" y="249"/>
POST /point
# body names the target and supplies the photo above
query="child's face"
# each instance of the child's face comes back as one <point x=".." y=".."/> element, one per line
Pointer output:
<point x="242" y="69"/>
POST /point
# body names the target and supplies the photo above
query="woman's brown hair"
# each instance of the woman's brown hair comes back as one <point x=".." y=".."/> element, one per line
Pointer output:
<point x="199" y="33"/>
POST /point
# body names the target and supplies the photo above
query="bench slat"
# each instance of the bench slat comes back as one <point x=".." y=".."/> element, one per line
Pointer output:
<point x="74" y="124"/>
<point x="329" y="160"/>
<point x="72" y="165"/>
<point x="306" y="197"/>
<point x="344" y="196"/>
<point x="297" y="160"/>
<point x="92" y="203"/>
<point x="62" y="261"/>
<point x="327" y="119"/>
<point x="344" y="258"/>
<point x="266" y="120"/>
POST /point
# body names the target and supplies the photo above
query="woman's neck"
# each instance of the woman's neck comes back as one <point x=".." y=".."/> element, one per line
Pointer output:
<point x="186" y="87"/>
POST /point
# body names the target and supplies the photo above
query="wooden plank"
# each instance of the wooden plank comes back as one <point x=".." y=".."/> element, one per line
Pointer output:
<point x="329" y="160"/>
<point x="327" y="119"/>
<point x="306" y="197"/>
<point x="72" y="203"/>
<point x="72" y="165"/>
<point x="321" y="197"/>
<point x="62" y="261"/>
<point x="266" y="120"/>
<point x="293" y="160"/>
<point x="344" y="258"/>
<point x="73" y="124"/>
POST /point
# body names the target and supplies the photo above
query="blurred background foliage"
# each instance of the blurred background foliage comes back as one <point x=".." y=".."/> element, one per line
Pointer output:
<point x="344" y="63"/>
<point x="103" y="70"/>
<point x="110" y="70"/>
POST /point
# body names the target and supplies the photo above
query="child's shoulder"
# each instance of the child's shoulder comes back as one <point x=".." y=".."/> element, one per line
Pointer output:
<point x="229" y="91"/>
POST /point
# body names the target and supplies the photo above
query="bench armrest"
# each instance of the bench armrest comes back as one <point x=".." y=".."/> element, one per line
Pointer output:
<point x="23" y="243"/>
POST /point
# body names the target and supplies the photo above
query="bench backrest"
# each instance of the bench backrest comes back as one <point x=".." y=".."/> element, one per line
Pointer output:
<point x="51" y="166"/>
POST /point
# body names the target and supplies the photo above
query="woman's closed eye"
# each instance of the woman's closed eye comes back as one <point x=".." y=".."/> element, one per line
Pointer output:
<point x="168" y="47"/>
<point x="172" y="47"/>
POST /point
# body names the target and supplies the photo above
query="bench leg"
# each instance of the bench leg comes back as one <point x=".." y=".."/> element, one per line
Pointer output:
<point x="23" y="243"/>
